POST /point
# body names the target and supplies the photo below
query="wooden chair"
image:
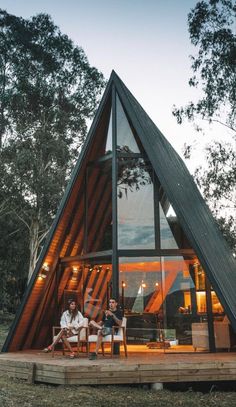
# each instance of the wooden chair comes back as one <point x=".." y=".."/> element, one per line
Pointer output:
<point x="79" y="339"/>
<point x="118" y="335"/>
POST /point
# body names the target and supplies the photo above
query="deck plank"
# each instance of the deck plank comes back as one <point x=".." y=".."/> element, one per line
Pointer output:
<point x="137" y="368"/>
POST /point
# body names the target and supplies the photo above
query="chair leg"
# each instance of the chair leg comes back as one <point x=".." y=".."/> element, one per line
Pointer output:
<point x="125" y="346"/>
<point x="112" y="349"/>
<point x="103" y="353"/>
<point x="78" y="346"/>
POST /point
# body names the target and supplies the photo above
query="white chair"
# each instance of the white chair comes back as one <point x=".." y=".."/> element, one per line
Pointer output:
<point x="78" y="339"/>
<point x="115" y="337"/>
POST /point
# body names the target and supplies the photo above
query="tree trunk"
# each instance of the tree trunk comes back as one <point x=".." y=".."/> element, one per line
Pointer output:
<point x="33" y="246"/>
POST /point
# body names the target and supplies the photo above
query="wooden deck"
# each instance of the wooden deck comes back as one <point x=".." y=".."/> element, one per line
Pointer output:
<point x="34" y="366"/>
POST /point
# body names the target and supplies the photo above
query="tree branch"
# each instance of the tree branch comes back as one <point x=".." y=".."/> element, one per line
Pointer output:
<point x="223" y="124"/>
<point x="22" y="220"/>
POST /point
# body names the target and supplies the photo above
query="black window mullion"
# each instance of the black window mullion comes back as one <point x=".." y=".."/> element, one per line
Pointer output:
<point x="156" y="212"/>
<point x="115" y="269"/>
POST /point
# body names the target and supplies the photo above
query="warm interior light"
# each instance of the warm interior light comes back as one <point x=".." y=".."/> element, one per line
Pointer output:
<point x="157" y="284"/>
<point x="41" y="276"/>
<point x="144" y="285"/>
<point x="75" y="269"/>
<point x="45" y="267"/>
<point x="123" y="284"/>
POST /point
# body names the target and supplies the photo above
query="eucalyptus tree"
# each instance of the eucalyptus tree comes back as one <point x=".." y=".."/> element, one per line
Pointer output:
<point x="48" y="92"/>
<point x="212" y="31"/>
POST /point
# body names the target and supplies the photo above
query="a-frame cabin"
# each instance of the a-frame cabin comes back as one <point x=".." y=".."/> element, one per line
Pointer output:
<point x="132" y="224"/>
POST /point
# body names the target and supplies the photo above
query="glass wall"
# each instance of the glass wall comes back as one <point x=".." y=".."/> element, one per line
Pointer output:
<point x="126" y="142"/>
<point x="90" y="285"/>
<point x="108" y="147"/>
<point x="164" y="299"/>
<point x="171" y="233"/>
<point x="96" y="289"/>
<point x="135" y="209"/>
<point x="179" y="301"/>
<point x="141" y="298"/>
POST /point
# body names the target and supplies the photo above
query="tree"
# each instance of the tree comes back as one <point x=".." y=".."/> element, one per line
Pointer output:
<point x="48" y="92"/>
<point x="212" y="31"/>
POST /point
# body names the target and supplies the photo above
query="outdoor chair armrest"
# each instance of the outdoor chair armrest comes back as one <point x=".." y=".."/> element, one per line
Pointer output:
<point x="117" y="327"/>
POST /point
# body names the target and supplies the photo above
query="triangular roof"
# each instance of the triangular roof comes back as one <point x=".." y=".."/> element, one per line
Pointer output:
<point x="193" y="214"/>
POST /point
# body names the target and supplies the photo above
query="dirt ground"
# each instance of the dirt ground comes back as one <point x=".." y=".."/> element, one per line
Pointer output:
<point x="19" y="393"/>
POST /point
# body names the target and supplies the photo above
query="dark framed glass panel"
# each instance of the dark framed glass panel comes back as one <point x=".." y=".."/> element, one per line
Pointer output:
<point x="108" y="147"/>
<point x="171" y="234"/>
<point x="164" y="299"/>
<point x="167" y="238"/>
<point x="179" y="301"/>
<point x="126" y="142"/>
<point x="99" y="207"/>
<point x="96" y="289"/>
<point x="135" y="207"/>
<point x="141" y="298"/>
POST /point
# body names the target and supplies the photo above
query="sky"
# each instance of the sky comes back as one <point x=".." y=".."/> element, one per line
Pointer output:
<point x="145" y="41"/>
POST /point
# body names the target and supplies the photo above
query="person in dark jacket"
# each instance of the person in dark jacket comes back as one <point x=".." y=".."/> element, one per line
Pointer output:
<point x="112" y="317"/>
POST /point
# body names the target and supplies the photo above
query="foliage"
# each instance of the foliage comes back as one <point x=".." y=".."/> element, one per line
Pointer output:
<point x="211" y="28"/>
<point x="132" y="175"/>
<point x="217" y="183"/>
<point x="48" y="92"/>
<point x="212" y="31"/>
<point x="14" y="254"/>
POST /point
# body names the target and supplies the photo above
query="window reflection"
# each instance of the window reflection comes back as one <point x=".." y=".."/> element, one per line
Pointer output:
<point x="167" y="239"/>
<point x="125" y="138"/>
<point x="96" y="280"/>
<point x="171" y="233"/>
<point x="108" y="148"/>
<point x="135" y="205"/>
<point x="164" y="298"/>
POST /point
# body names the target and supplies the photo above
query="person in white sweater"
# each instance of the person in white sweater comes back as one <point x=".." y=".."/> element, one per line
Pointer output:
<point x="71" y="321"/>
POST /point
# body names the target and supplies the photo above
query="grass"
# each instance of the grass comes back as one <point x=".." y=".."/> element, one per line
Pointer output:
<point x="18" y="392"/>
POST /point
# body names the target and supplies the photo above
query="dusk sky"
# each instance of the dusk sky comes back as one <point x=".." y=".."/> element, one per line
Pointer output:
<point x="145" y="41"/>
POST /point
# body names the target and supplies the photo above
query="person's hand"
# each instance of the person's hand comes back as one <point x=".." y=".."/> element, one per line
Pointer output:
<point x="108" y="312"/>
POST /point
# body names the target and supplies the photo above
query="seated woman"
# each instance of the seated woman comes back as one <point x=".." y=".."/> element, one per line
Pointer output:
<point x="71" y="321"/>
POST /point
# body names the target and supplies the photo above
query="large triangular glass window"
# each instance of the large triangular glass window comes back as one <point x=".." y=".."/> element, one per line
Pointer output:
<point x="108" y="148"/>
<point x="126" y="142"/>
<point x="171" y="233"/>
<point x="135" y="208"/>
<point x="167" y="239"/>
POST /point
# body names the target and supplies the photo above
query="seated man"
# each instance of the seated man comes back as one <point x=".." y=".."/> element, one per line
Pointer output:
<point x="111" y="317"/>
